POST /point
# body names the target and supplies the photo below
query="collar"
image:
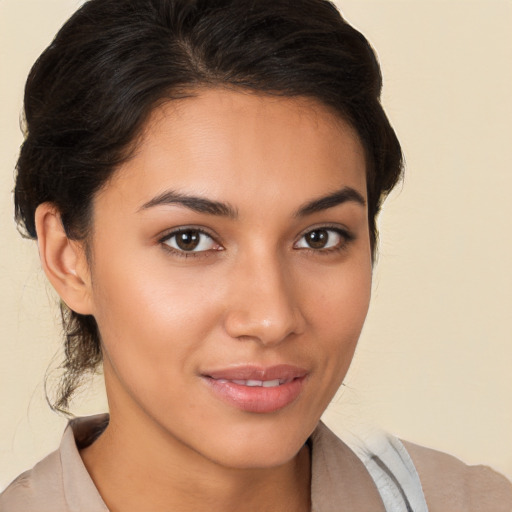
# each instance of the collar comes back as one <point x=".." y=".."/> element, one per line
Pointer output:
<point x="338" y="477"/>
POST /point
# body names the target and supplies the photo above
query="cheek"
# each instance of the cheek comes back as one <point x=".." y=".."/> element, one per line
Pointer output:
<point x="150" y="317"/>
<point x="337" y="310"/>
<point x="151" y="342"/>
<point x="339" y="297"/>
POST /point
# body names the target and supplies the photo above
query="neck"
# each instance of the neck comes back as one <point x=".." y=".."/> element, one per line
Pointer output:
<point x="136" y="466"/>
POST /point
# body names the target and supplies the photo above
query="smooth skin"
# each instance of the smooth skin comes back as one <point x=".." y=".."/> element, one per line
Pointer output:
<point x="268" y="275"/>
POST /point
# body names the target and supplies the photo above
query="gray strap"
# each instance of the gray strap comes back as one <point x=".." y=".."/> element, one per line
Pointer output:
<point x="392" y="470"/>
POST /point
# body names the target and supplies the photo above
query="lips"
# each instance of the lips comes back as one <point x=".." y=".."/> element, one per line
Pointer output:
<point x="257" y="389"/>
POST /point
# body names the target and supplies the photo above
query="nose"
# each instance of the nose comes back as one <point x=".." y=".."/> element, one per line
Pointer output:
<point x="263" y="303"/>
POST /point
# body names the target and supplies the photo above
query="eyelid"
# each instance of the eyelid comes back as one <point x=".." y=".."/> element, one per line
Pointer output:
<point x="162" y="239"/>
<point x="165" y="235"/>
<point x="342" y="231"/>
<point x="340" y="228"/>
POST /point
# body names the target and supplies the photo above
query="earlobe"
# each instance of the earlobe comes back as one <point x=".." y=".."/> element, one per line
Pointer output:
<point x="63" y="260"/>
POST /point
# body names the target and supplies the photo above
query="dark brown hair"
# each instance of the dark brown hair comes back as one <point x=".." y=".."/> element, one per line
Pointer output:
<point x="89" y="94"/>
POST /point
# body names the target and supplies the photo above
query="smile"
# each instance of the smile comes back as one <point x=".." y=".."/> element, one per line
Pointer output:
<point x="256" y="389"/>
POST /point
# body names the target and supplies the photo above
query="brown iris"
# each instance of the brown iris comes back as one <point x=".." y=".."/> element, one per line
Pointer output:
<point x="317" y="239"/>
<point x="188" y="240"/>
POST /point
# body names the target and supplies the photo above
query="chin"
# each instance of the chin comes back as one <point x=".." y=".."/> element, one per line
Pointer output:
<point x="260" y="444"/>
<point x="257" y="457"/>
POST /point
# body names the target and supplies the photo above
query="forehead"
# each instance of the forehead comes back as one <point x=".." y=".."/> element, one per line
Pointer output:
<point x="236" y="145"/>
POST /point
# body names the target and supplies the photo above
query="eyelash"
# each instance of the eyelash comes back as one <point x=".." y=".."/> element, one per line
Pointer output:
<point x="346" y="239"/>
<point x="164" y="241"/>
<point x="345" y="235"/>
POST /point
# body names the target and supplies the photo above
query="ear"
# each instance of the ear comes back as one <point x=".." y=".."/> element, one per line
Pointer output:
<point x="63" y="260"/>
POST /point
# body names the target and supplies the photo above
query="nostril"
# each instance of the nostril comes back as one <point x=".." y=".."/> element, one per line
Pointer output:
<point x="268" y="331"/>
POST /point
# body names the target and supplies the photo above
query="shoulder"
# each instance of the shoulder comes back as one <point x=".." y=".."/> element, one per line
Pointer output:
<point x="60" y="482"/>
<point x="451" y="485"/>
<point x="38" y="489"/>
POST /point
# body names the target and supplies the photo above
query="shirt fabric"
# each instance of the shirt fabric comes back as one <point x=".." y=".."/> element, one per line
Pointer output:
<point x="61" y="483"/>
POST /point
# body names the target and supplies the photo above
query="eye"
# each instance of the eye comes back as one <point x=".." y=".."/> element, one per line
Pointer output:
<point x="190" y="240"/>
<point x="323" y="238"/>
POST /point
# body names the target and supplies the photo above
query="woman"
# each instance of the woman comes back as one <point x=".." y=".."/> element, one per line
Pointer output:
<point x="203" y="180"/>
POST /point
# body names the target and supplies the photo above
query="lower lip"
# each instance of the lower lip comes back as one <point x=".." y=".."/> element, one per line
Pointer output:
<point x="257" y="398"/>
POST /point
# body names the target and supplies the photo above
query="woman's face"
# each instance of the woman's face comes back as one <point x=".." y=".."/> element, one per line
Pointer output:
<point x="231" y="273"/>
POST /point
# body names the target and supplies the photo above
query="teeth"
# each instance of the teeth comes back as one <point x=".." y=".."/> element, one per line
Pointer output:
<point x="255" y="383"/>
<point x="271" y="383"/>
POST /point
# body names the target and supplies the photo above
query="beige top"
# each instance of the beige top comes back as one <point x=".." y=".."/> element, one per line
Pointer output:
<point x="382" y="477"/>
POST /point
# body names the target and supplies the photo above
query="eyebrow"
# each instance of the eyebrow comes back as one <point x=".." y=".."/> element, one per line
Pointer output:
<point x="196" y="203"/>
<point x="344" y="195"/>
<point x="203" y="205"/>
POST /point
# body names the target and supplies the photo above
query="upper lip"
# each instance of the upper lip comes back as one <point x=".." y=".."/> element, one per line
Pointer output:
<point x="254" y="372"/>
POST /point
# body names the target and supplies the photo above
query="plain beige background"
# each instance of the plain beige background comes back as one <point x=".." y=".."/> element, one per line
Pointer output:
<point x="434" y="362"/>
